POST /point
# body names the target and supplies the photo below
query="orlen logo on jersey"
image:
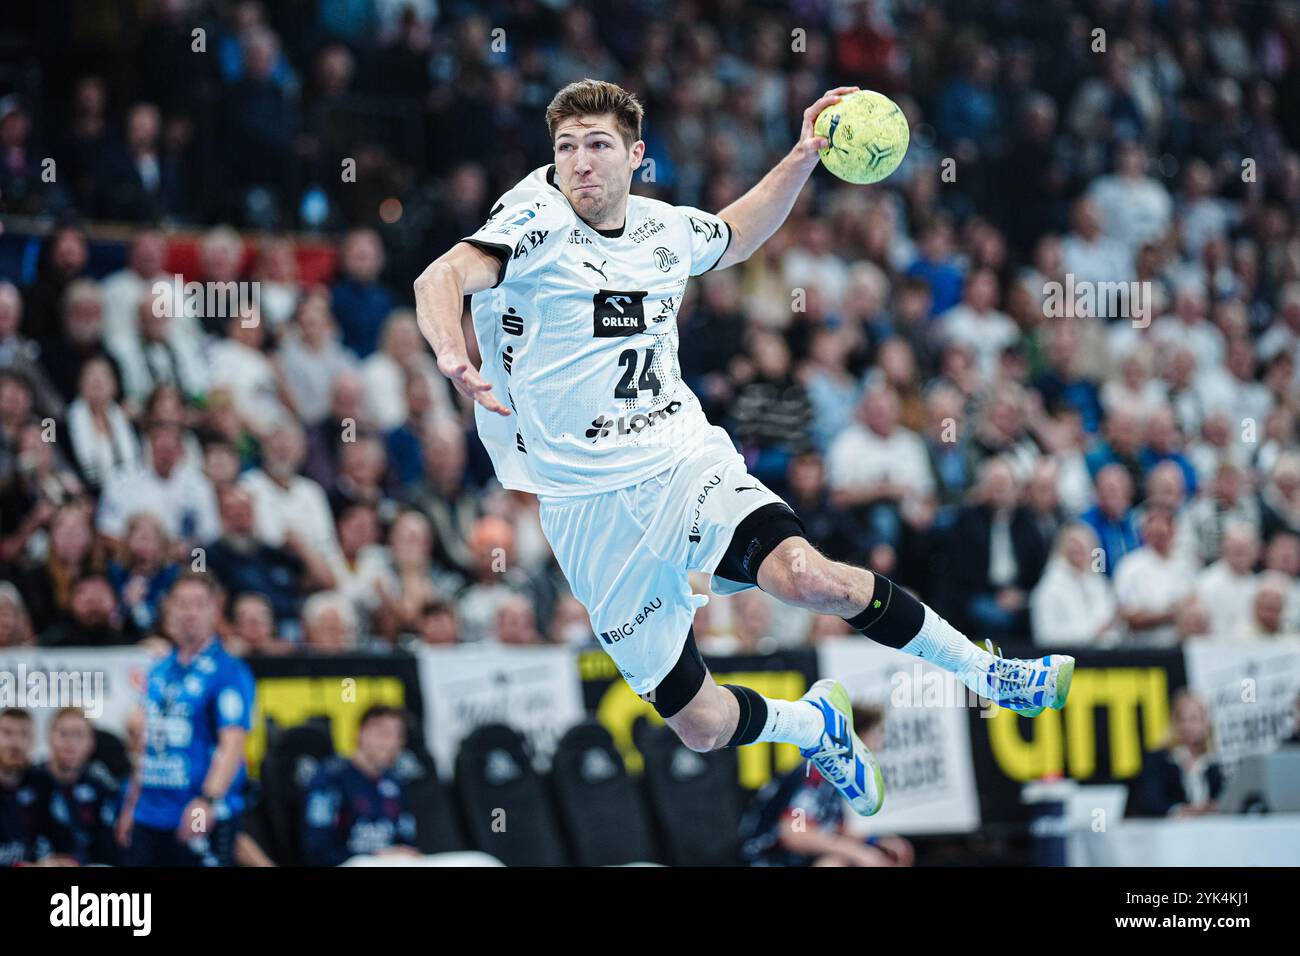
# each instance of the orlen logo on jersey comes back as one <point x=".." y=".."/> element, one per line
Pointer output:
<point x="616" y="635"/>
<point x="617" y="314"/>
<point x="630" y="424"/>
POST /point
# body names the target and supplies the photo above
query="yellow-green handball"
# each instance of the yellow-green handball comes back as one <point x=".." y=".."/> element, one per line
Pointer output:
<point x="868" y="136"/>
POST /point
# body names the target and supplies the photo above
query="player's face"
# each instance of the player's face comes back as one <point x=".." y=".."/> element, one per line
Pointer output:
<point x="594" y="167"/>
<point x="382" y="740"/>
<point x="15" y="742"/>
<point x="71" y="742"/>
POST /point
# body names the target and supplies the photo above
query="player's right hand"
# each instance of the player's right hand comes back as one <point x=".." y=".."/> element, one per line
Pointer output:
<point x="470" y="384"/>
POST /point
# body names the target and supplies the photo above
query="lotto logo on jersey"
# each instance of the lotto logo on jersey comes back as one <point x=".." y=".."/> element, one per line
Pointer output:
<point x="604" y="425"/>
<point x="617" y="314"/>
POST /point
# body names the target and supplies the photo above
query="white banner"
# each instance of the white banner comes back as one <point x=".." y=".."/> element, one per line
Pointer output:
<point x="532" y="689"/>
<point x="1251" y="687"/>
<point x="926" y="761"/>
<point x="106" y="682"/>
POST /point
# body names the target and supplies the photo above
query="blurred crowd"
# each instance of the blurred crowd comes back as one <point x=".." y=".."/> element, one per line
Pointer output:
<point x="895" y="360"/>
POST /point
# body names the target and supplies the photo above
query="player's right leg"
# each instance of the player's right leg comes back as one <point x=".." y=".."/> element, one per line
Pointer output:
<point x="708" y="716"/>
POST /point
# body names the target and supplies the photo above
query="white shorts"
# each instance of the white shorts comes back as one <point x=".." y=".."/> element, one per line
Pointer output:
<point x="626" y="553"/>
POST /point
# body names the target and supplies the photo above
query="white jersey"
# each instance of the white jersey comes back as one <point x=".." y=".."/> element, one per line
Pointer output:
<point x="579" y="339"/>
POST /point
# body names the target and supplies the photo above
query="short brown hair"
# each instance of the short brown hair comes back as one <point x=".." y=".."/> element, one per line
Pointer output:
<point x="595" y="98"/>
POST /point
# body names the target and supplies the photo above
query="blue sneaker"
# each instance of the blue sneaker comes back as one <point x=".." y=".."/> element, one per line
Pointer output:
<point x="1027" y="686"/>
<point x="840" y="756"/>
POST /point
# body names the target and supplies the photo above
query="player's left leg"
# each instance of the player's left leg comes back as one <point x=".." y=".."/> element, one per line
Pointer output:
<point x="706" y="716"/>
<point x="796" y="573"/>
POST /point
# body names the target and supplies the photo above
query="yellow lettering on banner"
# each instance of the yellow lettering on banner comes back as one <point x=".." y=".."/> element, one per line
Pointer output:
<point x="1022" y="759"/>
<point x="1124" y="692"/>
<point x="619" y="710"/>
<point x="290" y="701"/>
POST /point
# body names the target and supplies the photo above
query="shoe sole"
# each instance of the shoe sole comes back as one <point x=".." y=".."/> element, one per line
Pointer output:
<point x="840" y="700"/>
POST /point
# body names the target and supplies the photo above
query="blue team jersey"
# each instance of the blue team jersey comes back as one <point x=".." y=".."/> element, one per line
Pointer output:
<point x="346" y="814"/>
<point x="186" y="708"/>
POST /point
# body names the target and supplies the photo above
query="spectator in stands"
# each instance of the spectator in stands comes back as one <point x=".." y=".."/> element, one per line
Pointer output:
<point x="358" y="807"/>
<point x="937" y="265"/>
<point x="1225" y="502"/>
<point x="1061" y="384"/>
<point x="405" y="443"/>
<point x="770" y="414"/>
<point x="1227" y="587"/>
<point x="99" y="428"/>
<point x="239" y="365"/>
<point x="168" y="486"/>
<point x="1074" y="601"/>
<point x="1002" y="429"/>
<point x="1112" y="516"/>
<point x="1184" y="778"/>
<point x="364" y="476"/>
<point x="124" y="288"/>
<point x="78" y="797"/>
<point x="361" y="303"/>
<point x="1119" y="443"/>
<point x="63" y="260"/>
<point x="570" y="625"/>
<point x="1134" y="208"/>
<point x="40" y="483"/>
<point x="1164" y="443"/>
<point x="141" y="180"/>
<point x="15" y="625"/>
<point x="1279" y="499"/>
<point x="79" y="338"/>
<point x="444" y="497"/>
<point x="345" y="416"/>
<point x="310" y="359"/>
<point x="1152" y="582"/>
<point x="20" y="823"/>
<point x="1091" y="256"/>
<point x="92" y="618"/>
<point x="1266" y="616"/>
<point x="439" y="627"/>
<point x="277" y="282"/>
<point x="876" y="469"/>
<point x="142" y="573"/>
<point x="329" y="623"/>
<point x="72" y="554"/>
<point x="798" y="819"/>
<point x="516" y="624"/>
<point x="1283" y="555"/>
<point x="403" y="355"/>
<point x="284" y="500"/>
<point x="409" y="583"/>
<point x="978" y="324"/>
<point x="158" y="354"/>
<point x="21" y="356"/>
<point x="282" y="573"/>
<point x="253" y="627"/>
<point x="1002" y="556"/>
<point x="1042" y="499"/>
<point x="496" y="575"/>
<point x="1164" y="488"/>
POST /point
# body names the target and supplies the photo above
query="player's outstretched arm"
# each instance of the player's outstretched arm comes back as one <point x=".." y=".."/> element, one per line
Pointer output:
<point x="440" y="291"/>
<point x="759" y="213"/>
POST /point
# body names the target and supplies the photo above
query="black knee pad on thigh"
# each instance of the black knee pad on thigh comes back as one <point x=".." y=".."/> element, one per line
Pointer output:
<point x="682" y="683"/>
<point x="754" y="539"/>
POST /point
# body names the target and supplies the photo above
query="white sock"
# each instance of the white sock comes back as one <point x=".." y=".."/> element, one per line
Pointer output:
<point x="942" y="644"/>
<point x="796" y="722"/>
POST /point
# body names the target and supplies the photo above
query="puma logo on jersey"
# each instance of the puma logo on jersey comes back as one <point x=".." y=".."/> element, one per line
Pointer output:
<point x="601" y="270"/>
